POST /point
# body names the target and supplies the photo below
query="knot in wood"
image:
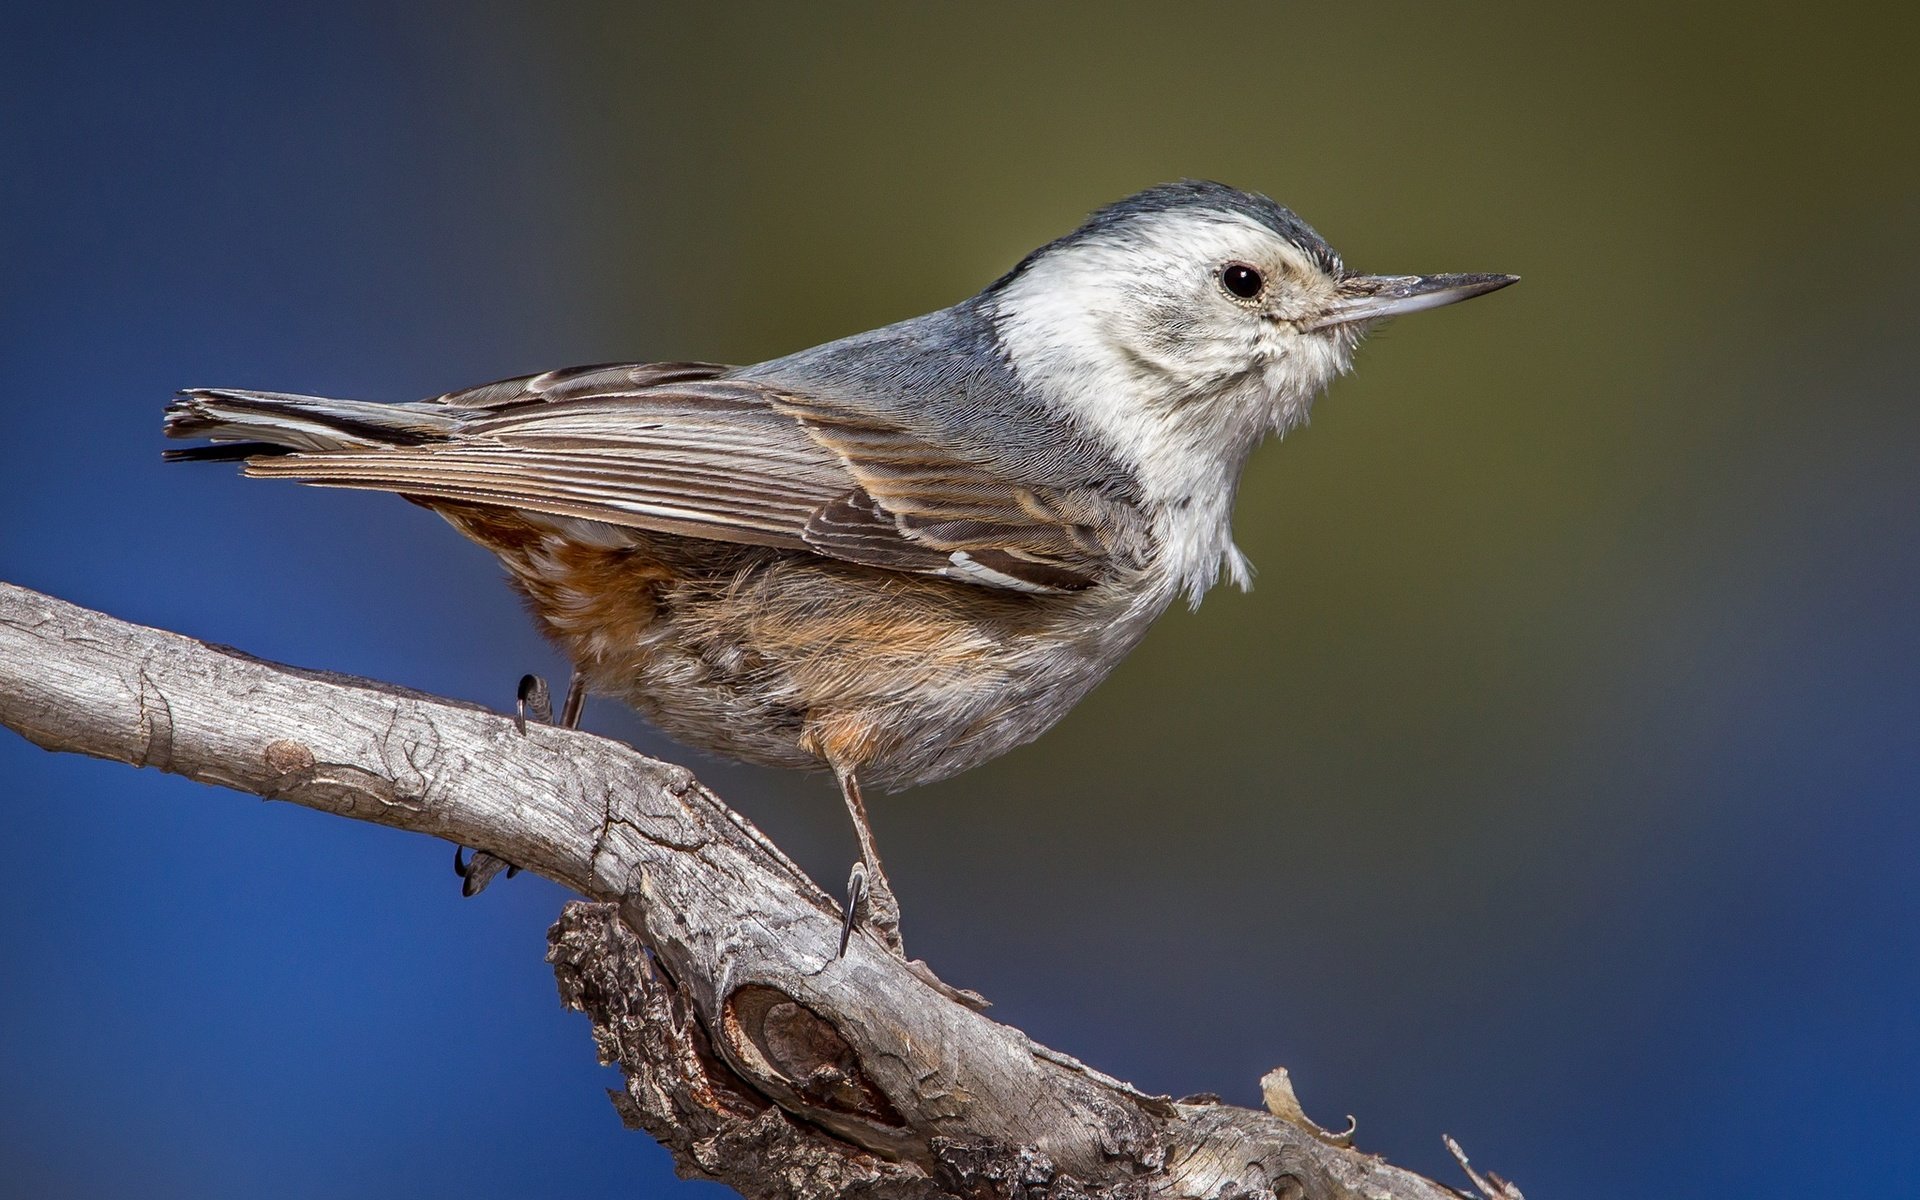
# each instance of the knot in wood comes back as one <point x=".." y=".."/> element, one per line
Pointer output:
<point x="287" y="757"/>
<point x="777" y="1040"/>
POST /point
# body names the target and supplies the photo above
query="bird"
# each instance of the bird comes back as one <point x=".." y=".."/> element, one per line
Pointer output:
<point x="896" y="555"/>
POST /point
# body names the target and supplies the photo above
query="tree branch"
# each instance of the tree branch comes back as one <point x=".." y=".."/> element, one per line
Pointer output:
<point x="706" y="958"/>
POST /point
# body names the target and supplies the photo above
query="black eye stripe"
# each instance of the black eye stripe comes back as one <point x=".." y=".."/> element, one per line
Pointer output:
<point x="1241" y="280"/>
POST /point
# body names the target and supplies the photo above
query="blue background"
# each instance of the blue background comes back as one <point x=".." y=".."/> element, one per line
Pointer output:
<point x="1555" y="788"/>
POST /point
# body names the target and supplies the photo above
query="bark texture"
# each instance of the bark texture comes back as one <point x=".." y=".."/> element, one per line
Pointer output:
<point x="704" y="958"/>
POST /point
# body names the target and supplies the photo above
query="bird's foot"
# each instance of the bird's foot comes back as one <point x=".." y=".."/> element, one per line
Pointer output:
<point x="532" y="698"/>
<point x="882" y="914"/>
<point x="870" y="903"/>
<point x="479" y="871"/>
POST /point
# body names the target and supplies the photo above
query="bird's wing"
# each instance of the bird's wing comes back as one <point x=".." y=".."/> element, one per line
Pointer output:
<point x="596" y="381"/>
<point x="674" y="449"/>
<point x="914" y="495"/>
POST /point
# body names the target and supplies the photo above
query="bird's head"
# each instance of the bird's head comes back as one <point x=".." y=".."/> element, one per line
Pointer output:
<point x="1184" y="323"/>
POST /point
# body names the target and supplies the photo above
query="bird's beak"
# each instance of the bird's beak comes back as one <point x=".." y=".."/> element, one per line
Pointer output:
<point x="1376" y="297"/>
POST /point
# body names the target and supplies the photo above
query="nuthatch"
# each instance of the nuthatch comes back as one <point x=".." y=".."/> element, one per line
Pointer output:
<point x="899" y="554"/>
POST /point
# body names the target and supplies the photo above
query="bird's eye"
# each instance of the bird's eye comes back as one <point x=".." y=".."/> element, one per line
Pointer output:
<point x="1241" y="280"/>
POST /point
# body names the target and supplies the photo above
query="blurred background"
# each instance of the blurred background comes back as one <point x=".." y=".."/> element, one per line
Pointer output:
<point x="1555" y="788"/>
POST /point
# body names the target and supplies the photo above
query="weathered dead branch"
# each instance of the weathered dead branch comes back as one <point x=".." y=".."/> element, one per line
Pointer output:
<point x="704" y="958"/>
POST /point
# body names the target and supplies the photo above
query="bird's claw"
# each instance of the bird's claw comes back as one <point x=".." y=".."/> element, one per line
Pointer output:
<point x="856" y="896"/>
<point x="533" y="695"/>
<point x="479" y="871"/>
<point x="870" y="897"/>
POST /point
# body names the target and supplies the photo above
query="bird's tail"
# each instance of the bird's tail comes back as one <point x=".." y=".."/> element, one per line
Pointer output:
<point x="254" y="424"/>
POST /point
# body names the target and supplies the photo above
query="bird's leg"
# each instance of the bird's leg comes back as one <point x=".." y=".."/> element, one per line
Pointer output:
<point x="533" y="697"/>
<point x="867" y="887"/>
<point x="575" y="701"/>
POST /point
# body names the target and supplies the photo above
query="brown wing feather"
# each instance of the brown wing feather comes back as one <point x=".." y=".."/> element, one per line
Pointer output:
<point x="1036" y="537"/>
<point x="698" y="459"/>
<point x="569" y="383"/>
<point x="674" y="448"/>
